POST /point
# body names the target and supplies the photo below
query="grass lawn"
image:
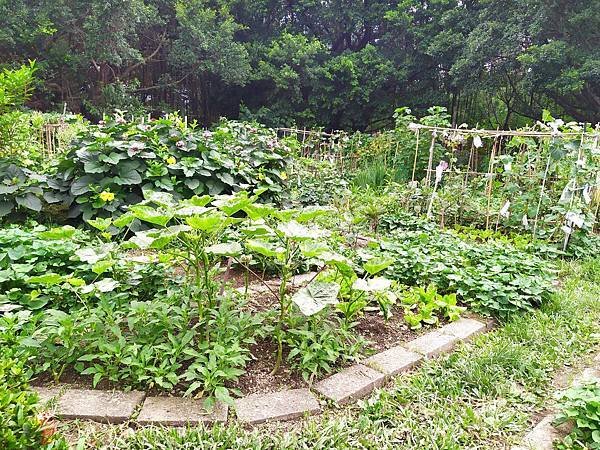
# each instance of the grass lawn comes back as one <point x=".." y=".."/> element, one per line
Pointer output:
<point x="481" y="396"/>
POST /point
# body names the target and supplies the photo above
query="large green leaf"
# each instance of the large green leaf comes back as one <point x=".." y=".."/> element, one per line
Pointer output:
<point x="29" y="201"/>
<point x="377" y="264"/>
<point x="8" y="189"/>
<point x="47" y="279"/>
<point x="112" y="158"/>
<point x="258" y="229"/>
<point x="293" y="230"/>
<point x="124" y="220"/>
<point x="82" y="185"/>
<point x="225" y="249"/>
<point x="102" y="266"/>
<point x="316" y="296"/>
<point x="199" y="200"/>
<point x="128" y="178"/>
<point x="313" y="249"/>
<point x="160" y="198"/>
<point x="210" y="222"/>
<point x="233" y="203"/>
<point x="376" y="284"/>
<point x="94" y="166"/>
<point x="141" y="240"/>
<point x="311" y="213"/>
<point x="65" y="232"/>
<point x="5" y="208"/>
<point x="264" y="248"/>
<point x="151" y="215"/>
<point x="92" y="255"/>
<point x="258" y="211"/>
<point x="100" y="223"/>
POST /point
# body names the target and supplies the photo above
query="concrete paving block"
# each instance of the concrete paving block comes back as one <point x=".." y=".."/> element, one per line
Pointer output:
<point x="179" y="411"/>
<point x="100" y="406"/>
<point x="432" y="344"/>
<point x="541" y="437"/>
<point x="394" y="361"/>
<point x="350" y="384"/>
<point x="464" y="329"/>
<point x="282" y="405"/>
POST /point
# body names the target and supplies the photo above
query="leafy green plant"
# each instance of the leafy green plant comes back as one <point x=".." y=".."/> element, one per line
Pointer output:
<point x="318" y="343"/>
<point x="424" y="305"/>
<point x="315" y="182"/>
<point x="16" y="86"/>
<point x="111" y="164"/>
<point x="580" y="407"/>
<point x="20" y="189"/>
<point x="21" y="425"/>
<point x="281" y="238"/>
<point x="492" y="278"/>
<point x="58" y="266"/>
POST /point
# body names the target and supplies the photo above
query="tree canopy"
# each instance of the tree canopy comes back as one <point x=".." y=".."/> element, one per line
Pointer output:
<point x="335" y="64"/>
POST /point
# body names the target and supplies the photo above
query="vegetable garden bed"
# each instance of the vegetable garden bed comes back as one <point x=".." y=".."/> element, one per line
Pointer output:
<point x="191" y="277"/>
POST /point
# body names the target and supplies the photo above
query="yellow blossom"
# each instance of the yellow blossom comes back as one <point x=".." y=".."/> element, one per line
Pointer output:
<point x="283" y="176"/>
<point x="171" y="160"/>
<point x="107" y="196"/>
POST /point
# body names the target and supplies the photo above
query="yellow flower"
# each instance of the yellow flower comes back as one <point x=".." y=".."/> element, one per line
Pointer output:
<point x="283" y="176"/>
<point x="171" y="160"/>
<point x="107" y="196"/>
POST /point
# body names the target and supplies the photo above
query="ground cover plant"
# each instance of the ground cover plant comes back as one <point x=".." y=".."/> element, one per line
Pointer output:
<point x="579" y="406"/>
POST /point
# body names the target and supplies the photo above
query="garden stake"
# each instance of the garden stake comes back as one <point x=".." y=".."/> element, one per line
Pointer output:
<point x="416" y="154"/>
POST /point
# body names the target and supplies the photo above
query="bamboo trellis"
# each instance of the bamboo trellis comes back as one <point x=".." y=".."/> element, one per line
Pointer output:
<point x="336" y="147"/>
<point x="462" y="135"/>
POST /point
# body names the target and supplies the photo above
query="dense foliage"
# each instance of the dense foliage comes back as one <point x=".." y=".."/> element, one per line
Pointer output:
<point x="580" y="408"/>
<point x="108" y="167"/>
<point x="339" y="65"/>
<point x="21" y="425"/>
<point x="491" y="277"/>
<point x="42" y="266"/>
<point x="111" y="164"/>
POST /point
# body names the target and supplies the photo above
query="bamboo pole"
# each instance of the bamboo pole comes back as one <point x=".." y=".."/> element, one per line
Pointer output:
<point x="490" y="182"/>
<point x="430" y="161"/>
<point x="416" y="154"/>
<point x="539" y="205"/>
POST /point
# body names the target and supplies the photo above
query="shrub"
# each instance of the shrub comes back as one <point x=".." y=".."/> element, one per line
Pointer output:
<point x="111" y="164"/>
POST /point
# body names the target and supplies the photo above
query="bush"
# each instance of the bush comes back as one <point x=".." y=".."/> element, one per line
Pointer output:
<point x="111" y="164"/>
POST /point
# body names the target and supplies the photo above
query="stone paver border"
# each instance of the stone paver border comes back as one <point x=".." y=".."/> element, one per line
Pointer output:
<point x="283" y="405"/>
<point x="91" y="404"/>
<point x="177" y="412"/>
<point x="348" y="385"/>
<point x="352" y="383"/>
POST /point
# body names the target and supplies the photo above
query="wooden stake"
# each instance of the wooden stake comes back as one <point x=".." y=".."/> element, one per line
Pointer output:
<point x="416" y="153"/>
<point x="430" y="162"/>
<point x="489" y="186"/>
